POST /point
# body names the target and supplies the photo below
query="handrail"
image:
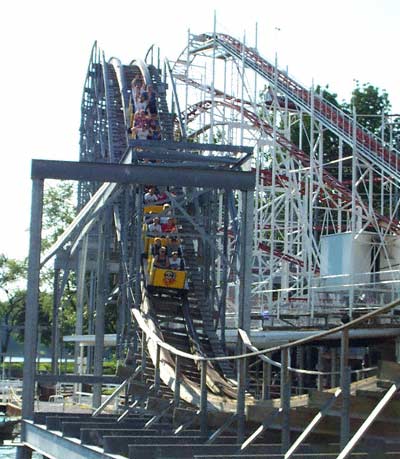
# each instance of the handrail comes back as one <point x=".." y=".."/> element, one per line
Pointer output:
<point x="378" y="152"/>
<point x="80" y="219"/>
<point x="182" y="127"/>
<point x="106" y="79"/>
<point x="315" y="421"/>
<point x="370" y="419"/>
<point x="300" y="155"/>
<point x="118" y="68"/>
<point x="246" y="341"/>
<point x="302" y="95"/>
<point x="143" y="67"/>
<point x="150" y="334"/>
<point x="150" y="50"/>
<point x="116" y="392"/>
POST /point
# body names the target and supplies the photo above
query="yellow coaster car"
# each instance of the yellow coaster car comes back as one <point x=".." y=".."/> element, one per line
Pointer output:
<point x="167" y="278"/>
<point x="149" y="241"/>
<point x="153" y="209"/>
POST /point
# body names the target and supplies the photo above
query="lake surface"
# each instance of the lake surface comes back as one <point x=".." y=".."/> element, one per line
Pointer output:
<point x="10" y="452"/>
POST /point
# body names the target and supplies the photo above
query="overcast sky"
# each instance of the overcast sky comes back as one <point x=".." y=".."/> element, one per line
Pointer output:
<point x="45" y="47"/>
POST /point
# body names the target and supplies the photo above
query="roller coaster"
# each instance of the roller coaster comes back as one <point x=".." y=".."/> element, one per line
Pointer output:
<point x="203" y="217"/>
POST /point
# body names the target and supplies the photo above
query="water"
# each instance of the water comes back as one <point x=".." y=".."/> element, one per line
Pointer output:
<point x="10" y="452"/>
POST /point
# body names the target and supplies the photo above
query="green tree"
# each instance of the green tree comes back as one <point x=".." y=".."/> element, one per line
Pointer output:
<point x="371" y="105"/>
<point x="329" y="139"/>
<point x="58" y="212"/>
<point x="12" y="304"/>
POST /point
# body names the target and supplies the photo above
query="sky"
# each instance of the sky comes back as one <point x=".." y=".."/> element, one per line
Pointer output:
<point x="45" y="48"/>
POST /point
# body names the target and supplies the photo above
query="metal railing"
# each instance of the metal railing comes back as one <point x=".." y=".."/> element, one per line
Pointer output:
<point x="368" y="144"/>
<point x="284" y="411"/>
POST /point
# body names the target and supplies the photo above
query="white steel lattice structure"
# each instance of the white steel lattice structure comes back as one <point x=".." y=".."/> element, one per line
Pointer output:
<point x="326" y="224"/>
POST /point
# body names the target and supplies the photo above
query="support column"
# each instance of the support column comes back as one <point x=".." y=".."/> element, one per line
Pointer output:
<point x="224" y="280"/>
<point x="397" y="349"/>
<point x="285" y="400"/>
<point x="266" y="382"/>
<point x="319" y="368"/>
<point x="123" y="316"/>
<point x="246" y="255"/>
<point x="177" y="388"/>
<point x="100" y="310"/>
<point x="203" y="399"/>
<point x="333" y="367"/>
<point x="157" y="379"/>
<point x="241" y="394"/>
<point x="246" y="252"/>
<point x="81" y="275"/>
<point x="32" y="300"/>
<point x="143" y="356"/>
<point x="300" y="364"/>
<point x="207" y="260"/>
<point x="54" y="329"/>
<point x="32" y="310"/>
<point x="138" y="244"/>
<point x="345" y="386"/>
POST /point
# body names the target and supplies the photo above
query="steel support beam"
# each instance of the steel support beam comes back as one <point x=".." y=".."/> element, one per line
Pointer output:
<point x="167" y="155"/>
<point x="190" y="146"/>
<point x="345" y="386"/>
<point x="315" y="421"/>
<point x="241" y="393"/>
<point x="32" y="310"/>
<point x="79" y="379"/>
<point x="54" y="328"/>
<point x="100" y="311"/>
<point x="333" y="367"/>
<point x="346" y="452"/>
<point x="266" y="381"/>
<point x="32" y="300"/>
<point x="138" y="245"/>
<point x="320" y="368"/>
<point x="224" y="277"/>
<point x="203" y="399"/>
<point x="143" y="174"/>
<point x="285" y="399"/>
<point x="54" y="445"/>
<point x="246" y="255"/>
<point x="81" y="275"/>
<point x="177" y="388"/>
<point x="300" y="364"/>
<point x="157" y="379"/>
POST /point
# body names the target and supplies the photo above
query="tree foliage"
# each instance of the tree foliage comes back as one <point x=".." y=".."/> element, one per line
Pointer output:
<point x="371" y="106"/>
<point x="12" y="304"/>
<point x="58" y="210"/>
<point x="330" y="140"/>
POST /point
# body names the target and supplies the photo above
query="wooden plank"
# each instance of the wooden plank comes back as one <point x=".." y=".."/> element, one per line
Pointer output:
<point x="361" y="432"/>
<point x="384" y="383"/>
<point x="389" y="371"/>
<point x="256" y="412"/>
<point x="376" y="394"/>
<point x="214" y="419"/>
<point x="365" y="383"/>
<point x="331" y="422"/>
<point x="360" y="406"/>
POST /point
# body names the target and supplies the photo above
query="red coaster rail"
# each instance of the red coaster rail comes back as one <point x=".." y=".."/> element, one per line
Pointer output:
<point x="380" y="154"/>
